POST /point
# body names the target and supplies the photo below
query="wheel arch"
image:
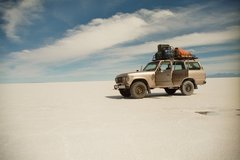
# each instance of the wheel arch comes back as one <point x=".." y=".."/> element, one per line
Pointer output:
<point x="192" y="80"/>
<point x="141" y="80"/>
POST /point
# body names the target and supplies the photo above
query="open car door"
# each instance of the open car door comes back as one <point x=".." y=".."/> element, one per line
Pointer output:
<point x="164" y="74"/>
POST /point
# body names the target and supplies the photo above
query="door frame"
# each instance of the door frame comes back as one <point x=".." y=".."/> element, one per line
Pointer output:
<point x="163" y="76"/>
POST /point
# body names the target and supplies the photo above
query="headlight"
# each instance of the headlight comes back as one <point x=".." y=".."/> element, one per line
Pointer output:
<point x="125" y="79"/>
<point x="122" y="79"/>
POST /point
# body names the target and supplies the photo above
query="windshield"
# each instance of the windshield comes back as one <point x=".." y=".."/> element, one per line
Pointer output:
<point x="151" y="66"/>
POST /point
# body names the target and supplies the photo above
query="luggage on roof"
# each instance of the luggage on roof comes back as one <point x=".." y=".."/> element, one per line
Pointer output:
<point x="180" y="53"/>
<point x="165" y="51"/>
<point x="162" y="47"/>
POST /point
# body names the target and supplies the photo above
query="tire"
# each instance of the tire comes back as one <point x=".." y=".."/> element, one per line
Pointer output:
<point x="138" y="90"/>
<point x="187" y="88"/>
<point x="170" y="91"/>
<point x="125" y="92"/>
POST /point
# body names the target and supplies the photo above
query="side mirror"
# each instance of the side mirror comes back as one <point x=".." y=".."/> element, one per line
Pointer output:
<point x="141" y="69"/>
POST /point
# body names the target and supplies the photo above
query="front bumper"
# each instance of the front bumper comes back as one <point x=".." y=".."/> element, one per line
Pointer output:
<point x="120" y="86"/>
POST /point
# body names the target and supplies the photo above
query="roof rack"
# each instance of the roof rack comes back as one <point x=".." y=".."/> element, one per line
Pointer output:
<point x="176" y="58"/>
<point x="186" y="58"/>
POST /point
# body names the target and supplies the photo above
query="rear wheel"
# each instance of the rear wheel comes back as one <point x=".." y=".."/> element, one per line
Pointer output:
<point x="170" y="91"/>
<point x="187" y="88"/>
<point x="138" y="90"/>
<point x="125" y="92"/>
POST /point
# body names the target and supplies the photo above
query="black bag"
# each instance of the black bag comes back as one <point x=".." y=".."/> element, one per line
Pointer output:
<point x="164" y="52"/>
<point x="162" y="47"/>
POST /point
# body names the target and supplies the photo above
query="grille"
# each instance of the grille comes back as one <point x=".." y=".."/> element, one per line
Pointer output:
<point x="119" y="80"/>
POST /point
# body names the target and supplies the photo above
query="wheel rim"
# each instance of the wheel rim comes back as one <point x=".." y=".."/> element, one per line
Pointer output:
<point x="188" y="88"/>
<point x="139" y="90"/>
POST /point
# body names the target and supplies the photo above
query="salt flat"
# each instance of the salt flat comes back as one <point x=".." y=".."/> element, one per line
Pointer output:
<point x="91" y="121"/>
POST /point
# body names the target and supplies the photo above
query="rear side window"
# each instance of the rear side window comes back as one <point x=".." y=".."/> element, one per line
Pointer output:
<point x="165" y="65"/>
<point x="178" y="66"/>
<point x="193" y="65"/>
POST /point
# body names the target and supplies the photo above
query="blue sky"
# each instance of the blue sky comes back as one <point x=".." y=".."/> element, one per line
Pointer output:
<point x="74" y="40"/>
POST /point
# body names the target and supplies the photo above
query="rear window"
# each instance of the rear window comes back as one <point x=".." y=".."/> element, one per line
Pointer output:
<point x="193" y="65"/>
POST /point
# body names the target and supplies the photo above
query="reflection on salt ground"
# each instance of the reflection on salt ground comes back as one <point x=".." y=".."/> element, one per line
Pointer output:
<point x="205" y="112"/>
<point x="238" y="109"/>
<point x="234" y="111"/>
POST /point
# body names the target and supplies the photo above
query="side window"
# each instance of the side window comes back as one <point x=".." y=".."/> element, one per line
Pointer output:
<point x="165" y="65"/>
<point x="178" y="66"/>
<point x="193" y="66"/>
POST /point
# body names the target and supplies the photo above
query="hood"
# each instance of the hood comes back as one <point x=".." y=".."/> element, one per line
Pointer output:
<point x="139" y="73"/>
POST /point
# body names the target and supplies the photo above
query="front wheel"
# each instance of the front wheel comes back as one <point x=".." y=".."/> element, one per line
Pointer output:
<point x="187" y="88"/>
<point x="138" y="90"/>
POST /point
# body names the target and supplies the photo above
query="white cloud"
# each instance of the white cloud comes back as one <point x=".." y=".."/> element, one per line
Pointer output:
<point x="226" y="67"/>
<point x="88" y="39"/>
<point x="211" y="38"/>
<point x="222" y="64"/>
<point x="188" y="40"/>
<point x="102" y="34"/>
<point x="109" y="37"/>
<point x="18" y="15"/>
<point x="223" y="59"/>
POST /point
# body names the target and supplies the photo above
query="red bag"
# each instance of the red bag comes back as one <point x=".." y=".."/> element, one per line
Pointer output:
<point x="182" y="53"/>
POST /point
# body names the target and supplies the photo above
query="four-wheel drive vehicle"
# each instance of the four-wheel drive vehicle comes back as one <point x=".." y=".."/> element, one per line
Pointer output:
<point x="168" y="74"/>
